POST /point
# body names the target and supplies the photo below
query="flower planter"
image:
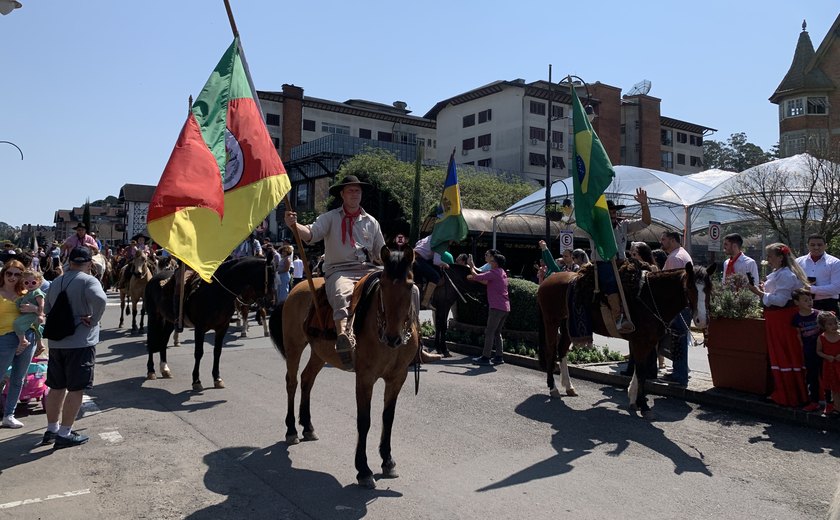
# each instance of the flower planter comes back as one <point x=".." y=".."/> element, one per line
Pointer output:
<point x="738" y="358"/>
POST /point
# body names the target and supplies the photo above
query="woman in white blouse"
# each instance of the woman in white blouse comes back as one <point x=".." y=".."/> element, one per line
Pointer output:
<point x="787" y="362"/>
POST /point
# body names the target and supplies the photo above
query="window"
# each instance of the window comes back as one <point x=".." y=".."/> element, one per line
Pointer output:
<point x="364" y="133"/>
<point x="681" y="158"/>
<point x="623" y="152"/>
<point x="272" y="119"/>
<point x="623" y="129"/>
<point x="666" y="137"/>
<point x="384" y="136"/>
<point x="667" y="160"/>
<point x="468" y="144"/>
<point x="484" y="140"/>
<point x="637" y="124"/>
<point x="302" y="195"/>
<point x="557" y="163"/>
<point x="556" y="112"/>
<point x="471" y="163"/>
<point x="309" y="125"/>
<point x="276" y="142"/>
<point x="536" y="159"/>
<point x="696" y="161"/>
<point x="817" y="105"/>
<point x="330" y="128"/>
<point x="538" y="133"/>
<point x="487" y="163"/>
<point x="420" y="142"/>
<point x="682" y="137"/>
<point x="695" y="140"/>
<point x="794" y="107"/>
<point x="538" y="108"/>
<point x="469" y="120"/>
<point x="556" y="137"/>
<point x="485" y="115"/>
<point x="795" y="145"/>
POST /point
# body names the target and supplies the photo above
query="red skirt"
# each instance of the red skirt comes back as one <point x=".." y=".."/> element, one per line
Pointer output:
<point x="787" y="363"/>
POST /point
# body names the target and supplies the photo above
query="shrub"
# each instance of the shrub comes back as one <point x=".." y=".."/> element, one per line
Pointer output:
<point x="523" y="305"/>
<point x="594" y="355"/>
<point x="734" y="300"/>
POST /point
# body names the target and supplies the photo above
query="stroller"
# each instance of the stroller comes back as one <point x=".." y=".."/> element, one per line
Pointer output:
<point x="34" y="385"/>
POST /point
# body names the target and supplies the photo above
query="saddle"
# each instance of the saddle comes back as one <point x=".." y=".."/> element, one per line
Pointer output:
<point x="324" y="311"/>
<point x="169" y="298"/>
<point x="584" y="304"/>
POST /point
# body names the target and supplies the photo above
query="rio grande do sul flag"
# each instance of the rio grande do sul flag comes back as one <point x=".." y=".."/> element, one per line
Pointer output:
<point x="224" y="175"/>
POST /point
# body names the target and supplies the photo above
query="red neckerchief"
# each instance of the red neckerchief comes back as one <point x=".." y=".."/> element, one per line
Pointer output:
<point x="347" y="225"/>
<point x="730" y="267"/>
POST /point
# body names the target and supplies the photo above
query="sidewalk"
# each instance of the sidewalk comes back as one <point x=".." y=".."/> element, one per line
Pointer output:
<point x="699" y="390"/>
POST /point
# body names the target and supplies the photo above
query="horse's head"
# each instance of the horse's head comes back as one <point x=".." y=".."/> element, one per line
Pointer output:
<point x="698" y="287"/>
<point x="140" y="263"/>
<point x="396" y="309"/>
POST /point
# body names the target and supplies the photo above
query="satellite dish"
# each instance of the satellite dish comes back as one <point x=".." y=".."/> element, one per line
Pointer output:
<point x="640" y="88"/>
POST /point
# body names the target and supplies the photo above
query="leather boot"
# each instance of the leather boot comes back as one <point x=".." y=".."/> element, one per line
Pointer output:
<point x="345" y="343"/>
<point x="622" y="325"/>
<point x="425" y="304"/>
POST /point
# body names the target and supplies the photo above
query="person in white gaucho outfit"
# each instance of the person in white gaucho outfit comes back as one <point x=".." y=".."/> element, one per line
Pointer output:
<point x="352" y="243"/>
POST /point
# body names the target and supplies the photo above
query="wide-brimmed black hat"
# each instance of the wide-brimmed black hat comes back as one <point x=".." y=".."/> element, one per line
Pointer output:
<point x="613" y="206"/>
<point x="138" y="235"/>
<point x="81" y="225"/>
<point x="349" y="180"/>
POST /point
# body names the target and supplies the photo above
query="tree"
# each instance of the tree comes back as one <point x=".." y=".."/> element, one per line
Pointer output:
<point x="737" y="154"/>
<point x="86" y="215"/>
<point x="793" y="203"/>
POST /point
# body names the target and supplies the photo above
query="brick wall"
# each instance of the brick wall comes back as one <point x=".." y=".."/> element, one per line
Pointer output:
<point x="292" y="119"/>
<point x="608" y="123"/>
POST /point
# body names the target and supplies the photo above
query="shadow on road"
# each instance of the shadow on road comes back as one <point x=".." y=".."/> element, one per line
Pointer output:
<point x="231" y="472"/>
<point x="23" y="449"/>
<point x="131" y="393"/>
<point x="579" y="432"/>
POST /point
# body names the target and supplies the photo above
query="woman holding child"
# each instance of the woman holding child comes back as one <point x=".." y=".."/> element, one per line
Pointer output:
<point x="13" y="352"/>
<point x="783" y="345"/>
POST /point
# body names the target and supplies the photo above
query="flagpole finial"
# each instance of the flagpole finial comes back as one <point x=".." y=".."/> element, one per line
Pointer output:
<point x="189" y="104"/>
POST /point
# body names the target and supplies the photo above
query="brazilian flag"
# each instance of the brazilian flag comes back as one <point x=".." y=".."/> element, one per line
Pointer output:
<point x="450" y="224"/>
<point x="592" y="173"/>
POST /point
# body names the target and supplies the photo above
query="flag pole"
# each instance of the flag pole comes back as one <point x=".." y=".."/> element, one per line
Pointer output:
<point x="182" y="268"/>
<point x="231" y="20"/>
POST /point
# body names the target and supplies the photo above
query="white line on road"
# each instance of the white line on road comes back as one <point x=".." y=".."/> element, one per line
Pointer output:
<point x="66" y="494"/>
<point x="111" y="437"/>
<point x="89" y="407"/>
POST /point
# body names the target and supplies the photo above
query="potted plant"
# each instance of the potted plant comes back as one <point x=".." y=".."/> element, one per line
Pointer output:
<point x="736" y="340"/>
<point x="554" y="212"/>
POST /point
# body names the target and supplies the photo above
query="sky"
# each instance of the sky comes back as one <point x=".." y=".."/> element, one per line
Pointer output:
<point x="95" y="92"/>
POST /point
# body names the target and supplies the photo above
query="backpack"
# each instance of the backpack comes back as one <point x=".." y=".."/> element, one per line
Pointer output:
<point x="60" y="321"/>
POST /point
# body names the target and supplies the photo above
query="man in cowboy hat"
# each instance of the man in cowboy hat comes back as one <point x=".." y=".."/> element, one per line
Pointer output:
<point x="606" y="275"/>
<point x="80" y="239"/>
<point x="352" y="241"/>
<point x="138" y="243"/>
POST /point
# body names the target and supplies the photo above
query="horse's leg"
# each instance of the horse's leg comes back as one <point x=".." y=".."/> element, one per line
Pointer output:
<point x="641" y="351"/>
<point x="150" y="367"/>
<point x="199" y="353"/>
<point x="264" y="318"/>
<point x="217" y="355"/>
<point x="441" y="323"/>
<point x="307" y="381"/>
<point x="392" y="392"/>
<point x="133" y="315"/>
<point x="364" y="391"/>
<point x="243" y="316"/>
<point x="564" y="342"/>
<point x="122" y="308"/>
<point x="165" y="372"/>
<point x="142" y="315"/>
<point x="292" y="354"/>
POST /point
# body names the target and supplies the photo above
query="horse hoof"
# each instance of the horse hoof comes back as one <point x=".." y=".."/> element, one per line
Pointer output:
<point x="292" y="439"/>
<point x="648" y="415"/>
<point x="218" y="383"/>
<point x="555" y="393"/>
<point x="243" y="335"/>
<point x="367" y="482"/>
<point x="197" y="387"/>
<point x="150" y="376"/>
<point x="390" y="470"/>
<point x="310" y="436"/>
<point x="166" y="373"/>
<point x="571" y="392"/>
<point x="446" y="354"/>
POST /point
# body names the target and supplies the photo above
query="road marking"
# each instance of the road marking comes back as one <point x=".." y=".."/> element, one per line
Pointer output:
<point x="66" y="494"/>
<point x="111" y="437"/>
<point x="89" y="407"/>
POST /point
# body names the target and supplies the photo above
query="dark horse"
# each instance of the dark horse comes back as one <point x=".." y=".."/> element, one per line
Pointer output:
<point x="206" y="306"/>
<point x="654" y="300"/>
<point x="453" y="285"/>
<point x="387" y="342"/>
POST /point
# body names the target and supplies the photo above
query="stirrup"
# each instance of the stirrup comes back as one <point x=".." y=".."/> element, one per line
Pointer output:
<point x="625" y="326"/>
<point x="344" y="347"/>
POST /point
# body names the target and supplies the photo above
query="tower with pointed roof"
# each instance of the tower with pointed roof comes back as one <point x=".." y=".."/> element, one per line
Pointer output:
<point x="809" y="98"/>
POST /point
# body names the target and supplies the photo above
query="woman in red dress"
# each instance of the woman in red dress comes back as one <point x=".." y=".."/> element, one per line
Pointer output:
<point x="828" y="348"/>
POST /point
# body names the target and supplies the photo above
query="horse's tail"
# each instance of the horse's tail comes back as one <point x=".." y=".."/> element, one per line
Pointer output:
<point x="541" y="354"/>
<point x="275" y="329"/>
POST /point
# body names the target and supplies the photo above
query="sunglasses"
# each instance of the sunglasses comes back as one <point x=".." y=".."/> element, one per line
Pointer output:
<point x="31" y="282"/>
<point x="16" y="274"/>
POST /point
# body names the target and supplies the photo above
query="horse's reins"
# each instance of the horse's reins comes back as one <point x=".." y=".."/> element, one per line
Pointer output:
<point x="236" y="297"/>
<point x="655" y="310"/>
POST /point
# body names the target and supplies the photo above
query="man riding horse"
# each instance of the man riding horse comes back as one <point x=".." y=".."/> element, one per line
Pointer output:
<point x="352" y="243"/>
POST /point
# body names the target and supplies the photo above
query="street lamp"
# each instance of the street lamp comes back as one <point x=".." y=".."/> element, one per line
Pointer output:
<point x="13" y="144"/>
<point x="7" y="6"/>
<point x="567" y="207"/>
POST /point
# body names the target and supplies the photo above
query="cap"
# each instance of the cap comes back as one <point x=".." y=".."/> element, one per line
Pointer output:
<point x="80" y="255"/>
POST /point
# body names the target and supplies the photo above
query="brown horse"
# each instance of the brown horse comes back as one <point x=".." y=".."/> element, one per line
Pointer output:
<point x="653" y="304"/>
<point x="387" y="342"/>
<point x="141" y="269"/>
<point x="453" y="286"/>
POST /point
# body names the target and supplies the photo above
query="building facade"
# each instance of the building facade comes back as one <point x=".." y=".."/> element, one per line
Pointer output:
<point x="807" y="93"/>
<point x="135" y="199"/>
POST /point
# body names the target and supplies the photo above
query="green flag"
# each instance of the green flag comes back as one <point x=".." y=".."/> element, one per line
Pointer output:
<point x="592" y="174"/>
<point x="450" y="224"/>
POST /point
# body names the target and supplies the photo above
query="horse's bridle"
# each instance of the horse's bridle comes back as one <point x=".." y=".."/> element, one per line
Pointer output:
<point x="381" y="323"/>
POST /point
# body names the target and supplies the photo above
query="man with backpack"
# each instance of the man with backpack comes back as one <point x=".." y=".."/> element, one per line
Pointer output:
<point x="72" y="357"/>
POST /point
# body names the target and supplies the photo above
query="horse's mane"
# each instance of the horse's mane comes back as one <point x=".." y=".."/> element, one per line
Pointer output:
<point x="394" y="268"/>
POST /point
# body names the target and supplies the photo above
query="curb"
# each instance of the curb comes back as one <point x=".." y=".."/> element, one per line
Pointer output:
<point x="719" y="397"/>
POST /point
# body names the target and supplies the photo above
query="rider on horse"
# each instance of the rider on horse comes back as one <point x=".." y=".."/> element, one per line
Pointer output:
<point x="426" y="269"/>
<point x="80" y="239"/>
<point x="606" y="274"/>
<point x="352" y="243"/>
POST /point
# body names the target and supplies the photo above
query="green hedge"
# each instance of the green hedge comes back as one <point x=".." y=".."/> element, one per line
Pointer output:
<point x="523" y="307"/>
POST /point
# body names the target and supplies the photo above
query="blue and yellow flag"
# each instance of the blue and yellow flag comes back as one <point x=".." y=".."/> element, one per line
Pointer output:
<point x="450" y="224"/>
<point x="592" y="173"/>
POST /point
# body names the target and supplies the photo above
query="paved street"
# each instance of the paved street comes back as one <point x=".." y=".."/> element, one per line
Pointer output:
<point x="476" y="442"/>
